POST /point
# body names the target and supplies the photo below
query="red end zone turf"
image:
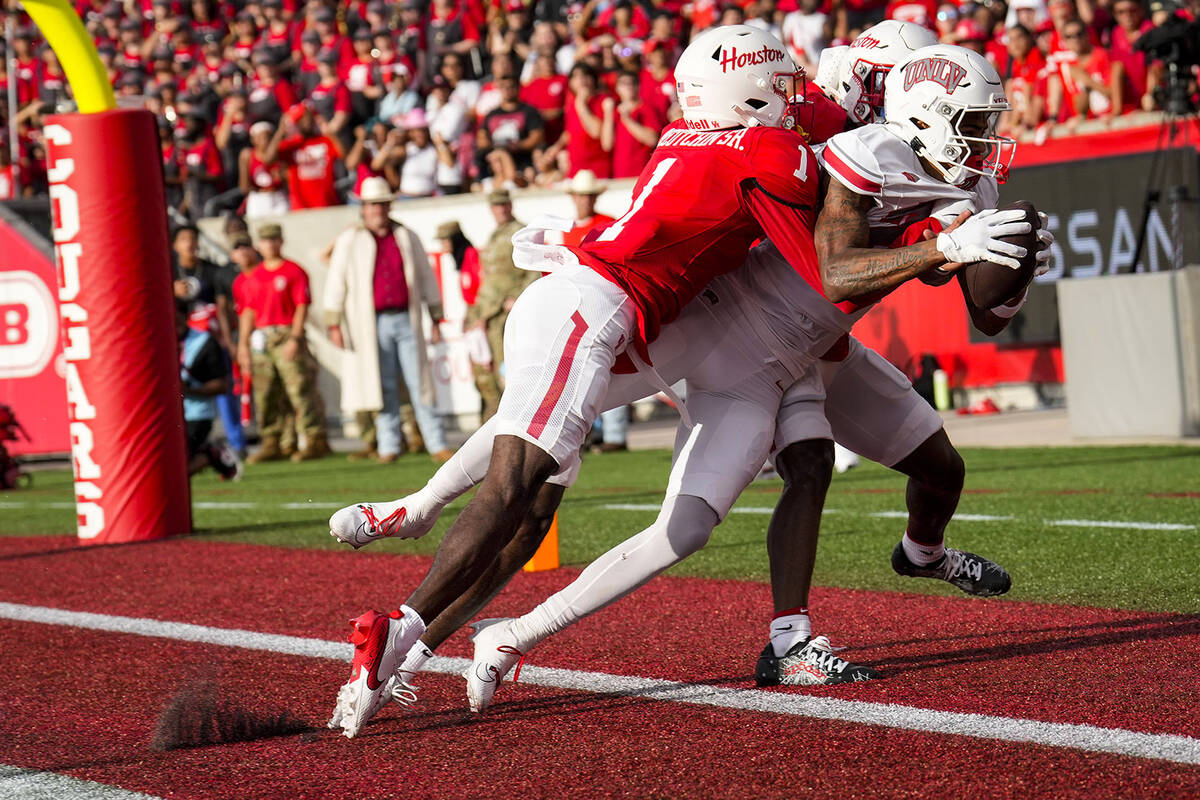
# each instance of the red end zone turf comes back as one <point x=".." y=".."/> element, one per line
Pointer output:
<point x="85" y="701"/>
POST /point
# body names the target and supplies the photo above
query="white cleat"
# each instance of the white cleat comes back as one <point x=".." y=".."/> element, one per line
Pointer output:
<point x="362" y="523"/>
<point x="379" y="644"/>
<point x="496" y="652"/>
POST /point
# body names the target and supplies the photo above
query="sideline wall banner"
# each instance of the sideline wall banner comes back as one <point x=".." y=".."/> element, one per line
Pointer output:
<point x="119" y="344"/>
<point x="31" y="362"/>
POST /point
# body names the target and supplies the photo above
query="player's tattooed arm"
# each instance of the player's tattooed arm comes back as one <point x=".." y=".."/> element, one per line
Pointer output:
<point x="850" y="267"/>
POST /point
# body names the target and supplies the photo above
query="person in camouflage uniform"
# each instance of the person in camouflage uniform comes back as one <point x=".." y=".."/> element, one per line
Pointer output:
<point x="274" y="300"/>
<point x="501" y="282"/>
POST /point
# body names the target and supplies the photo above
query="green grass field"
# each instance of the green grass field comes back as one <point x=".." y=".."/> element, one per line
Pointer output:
<point x="1107" y="565"/>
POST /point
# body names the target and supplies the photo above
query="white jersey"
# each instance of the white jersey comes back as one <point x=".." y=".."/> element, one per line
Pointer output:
<point x="873" y="160"/>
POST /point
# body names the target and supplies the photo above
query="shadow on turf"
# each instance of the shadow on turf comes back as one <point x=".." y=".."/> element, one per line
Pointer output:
<point x="553" y="705"/>
<point x="1059" y="639"/>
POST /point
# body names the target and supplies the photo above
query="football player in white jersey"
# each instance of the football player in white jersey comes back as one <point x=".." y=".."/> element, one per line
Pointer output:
<point x="936" y="156"/>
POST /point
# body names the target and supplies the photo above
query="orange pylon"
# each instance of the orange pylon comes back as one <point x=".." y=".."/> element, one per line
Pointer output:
<point x="546" y="556"/>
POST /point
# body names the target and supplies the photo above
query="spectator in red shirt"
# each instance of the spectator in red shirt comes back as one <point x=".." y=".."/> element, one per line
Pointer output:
<point x="1131" y="24"/>
<point x="310" y="157"/>
<point x="449" y="30"/>
<point x="269" y="94"/>
<point x="378" y="152"/>
<point x="918" y="12"/>
<point x="278" y="34"/>
<point x="1091" y="86"/>
<point x="330" y="99"/>
<point x="631" y="128"/>
<point x="27" y="69"/>
<point x="581" y="140"/>
<point x="971" y="36"/>
<point x="410" y="38"/>
<point x="1021" y="70"/>
<point x="245" y="34"/>
<point x="658" y="78"/>
<point x="547" y="91"/>
<point x="274" y="307"/>
<point x="261" y="181"/>
<point x="204" y="174"/>
<point x="623" y="20"/>
<point x="512" y="31"/>
<point x="206" y="18"/>
<point x="363" y="76"/>
<point x="509" y="135"/>
<point x="305" y="75"/>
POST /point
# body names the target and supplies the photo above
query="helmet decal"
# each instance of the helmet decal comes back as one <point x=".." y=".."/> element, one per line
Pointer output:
<point x="939" y="70"/>
<point x="733" y="60"/>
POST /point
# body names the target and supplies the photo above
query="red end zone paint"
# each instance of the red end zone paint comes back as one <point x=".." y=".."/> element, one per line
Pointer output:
<point x="549" y="744"/>
<point x="1121" y="669"/>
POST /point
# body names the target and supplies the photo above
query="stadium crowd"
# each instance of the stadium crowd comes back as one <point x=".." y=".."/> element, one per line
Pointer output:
<point x="271" y="105"/>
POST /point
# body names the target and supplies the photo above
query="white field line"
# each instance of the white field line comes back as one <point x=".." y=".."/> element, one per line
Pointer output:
<point x="1111" y="523"/>
<point x="30" y="784"/>
<point x="1075" y="523"/>
<point x="1118" y="741"/>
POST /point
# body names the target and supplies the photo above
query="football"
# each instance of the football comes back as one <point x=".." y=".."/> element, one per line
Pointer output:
<point x="988" y="284"/>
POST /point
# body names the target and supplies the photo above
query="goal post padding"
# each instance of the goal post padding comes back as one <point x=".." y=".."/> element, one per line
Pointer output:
<point x="117" y="312"/>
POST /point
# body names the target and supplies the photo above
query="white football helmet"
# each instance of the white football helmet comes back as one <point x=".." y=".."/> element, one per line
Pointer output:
<point x="862" y="68"/>
<point x="927" y="100"/>
<point x="737" y="76"/>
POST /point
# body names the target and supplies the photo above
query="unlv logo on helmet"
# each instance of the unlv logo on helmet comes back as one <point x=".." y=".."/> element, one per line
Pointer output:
<point x="938" y="70"/>
<point x="732" y="59"/>
<point x="866" y="41"/>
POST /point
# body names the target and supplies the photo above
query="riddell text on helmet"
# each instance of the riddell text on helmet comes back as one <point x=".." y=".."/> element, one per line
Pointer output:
<point x="77" y="343"/>
<point x="732" y="59"/>
<point x="939" y="70"/>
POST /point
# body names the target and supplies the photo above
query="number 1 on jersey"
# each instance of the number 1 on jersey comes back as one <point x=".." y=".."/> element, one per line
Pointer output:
<point x="802" y="171"/>
<point x="613" y="231"/>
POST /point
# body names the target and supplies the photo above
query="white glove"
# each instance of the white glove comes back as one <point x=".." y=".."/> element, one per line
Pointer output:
<point x="977" y="239"/>
<point x="1045" y="239"/>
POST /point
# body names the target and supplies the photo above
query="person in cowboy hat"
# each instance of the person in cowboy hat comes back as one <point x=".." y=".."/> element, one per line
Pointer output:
<point x="377" y="293"/>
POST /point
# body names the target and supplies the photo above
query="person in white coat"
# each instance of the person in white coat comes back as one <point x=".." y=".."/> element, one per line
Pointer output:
<point x="378" y="289"/>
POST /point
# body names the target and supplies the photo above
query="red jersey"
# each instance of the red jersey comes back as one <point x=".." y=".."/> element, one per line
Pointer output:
<point x="1098" y="65"/>
<point x="629" y="154"/>
<point x="703" y="199"/>
<point x="310" y="171"/>
<point x="274" y="294"/>
<point x="584" y="151"/>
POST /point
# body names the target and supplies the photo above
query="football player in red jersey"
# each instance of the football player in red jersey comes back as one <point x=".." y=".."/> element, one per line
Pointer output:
<point x="734" y="174"/>
<point x="885" y="421"/>
<point x="651" y="255"/>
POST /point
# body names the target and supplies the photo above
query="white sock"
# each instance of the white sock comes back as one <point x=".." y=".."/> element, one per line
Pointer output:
<point x="683" y="526"/>
<point x="922" y="554"/>
<point x="465" y="468"/>
<point x="789" y="630"/>
<point x="418" y="654"/>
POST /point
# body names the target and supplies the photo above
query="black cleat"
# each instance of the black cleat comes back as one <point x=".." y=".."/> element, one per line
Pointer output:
<point x="809" y="663"/>
<point x="973" y="574"/>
